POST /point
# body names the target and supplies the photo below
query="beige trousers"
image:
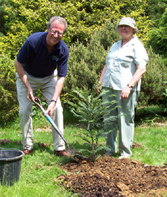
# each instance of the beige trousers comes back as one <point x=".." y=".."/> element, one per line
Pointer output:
<point x="47" y="87"/>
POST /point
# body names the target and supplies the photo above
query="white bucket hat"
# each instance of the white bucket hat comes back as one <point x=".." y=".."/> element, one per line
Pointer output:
<point x="127" y="21"/>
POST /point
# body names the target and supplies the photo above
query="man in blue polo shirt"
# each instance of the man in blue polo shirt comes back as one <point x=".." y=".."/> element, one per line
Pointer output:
<point x="40" y="55"/>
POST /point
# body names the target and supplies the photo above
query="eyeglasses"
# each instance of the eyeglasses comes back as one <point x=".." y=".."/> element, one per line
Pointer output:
<point x="54" y="32"/>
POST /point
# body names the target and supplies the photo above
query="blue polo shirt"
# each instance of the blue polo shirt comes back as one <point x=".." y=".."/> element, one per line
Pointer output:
<point x="38" y="62"/>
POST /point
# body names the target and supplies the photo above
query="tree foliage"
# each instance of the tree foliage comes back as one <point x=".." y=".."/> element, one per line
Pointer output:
<point x="86" y="62"/>
<point x="155" y="9"/>
<point x="91" y="31"/>
<point x="8" y="97"/>
<point x="152" y="87"/>
<point x="24" y="17"/>
<point x="3" y="5"/>
<point x="158" y="36"/>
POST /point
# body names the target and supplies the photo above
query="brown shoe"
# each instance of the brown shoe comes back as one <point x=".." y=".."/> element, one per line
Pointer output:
<point x="61" y="153"/>
<point x="26" y="151"/>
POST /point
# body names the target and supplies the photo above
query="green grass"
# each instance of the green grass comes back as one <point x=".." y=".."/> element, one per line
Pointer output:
<point x="37" y="178"/>
<point x="39" y="171"/>
<point x="153" y="150"/>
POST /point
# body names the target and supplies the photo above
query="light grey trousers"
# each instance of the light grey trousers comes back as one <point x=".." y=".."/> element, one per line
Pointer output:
<point x="47" y="87"/>
<point x="125" y="110"/>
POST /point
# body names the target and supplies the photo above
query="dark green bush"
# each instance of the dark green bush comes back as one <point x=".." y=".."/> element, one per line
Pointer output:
<point x="157" y="36"/>
<point x="84" y="66"/>
<point x="106" y="35"/>
<point x="155" y="9"/>
<point x="163" y="103"/>
<point x="8" y="97"/>
<point x="86" y="62"/>
<point x="152" y="87"/>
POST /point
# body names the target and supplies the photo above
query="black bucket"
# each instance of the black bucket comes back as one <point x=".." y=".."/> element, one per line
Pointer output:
<point x="10" y="166"/>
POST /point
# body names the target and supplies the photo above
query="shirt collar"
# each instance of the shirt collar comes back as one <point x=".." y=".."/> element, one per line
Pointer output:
<point x="132" y="41"/>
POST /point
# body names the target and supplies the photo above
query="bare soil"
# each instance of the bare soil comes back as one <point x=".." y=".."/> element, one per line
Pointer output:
<point x="112" y="177"/>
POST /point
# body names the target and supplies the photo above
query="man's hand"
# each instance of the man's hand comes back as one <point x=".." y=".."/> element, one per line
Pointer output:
<point x="23" y="77"/>
<point x="30" y="96"/>
<point x="50" y="109"/>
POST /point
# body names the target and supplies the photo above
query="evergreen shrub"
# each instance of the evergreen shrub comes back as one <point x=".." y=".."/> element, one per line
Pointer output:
<point x="157" y="36"/>
<point x="163" y="102"/>
<point x="152" y="87"/>
<point x="8" y="96"/>
<point x="86" y="62"/>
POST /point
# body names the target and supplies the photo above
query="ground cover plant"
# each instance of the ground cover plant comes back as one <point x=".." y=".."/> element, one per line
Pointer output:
<point x="43" y="174"/>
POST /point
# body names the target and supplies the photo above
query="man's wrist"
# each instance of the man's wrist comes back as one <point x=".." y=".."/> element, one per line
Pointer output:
<point x="53" y="101"/>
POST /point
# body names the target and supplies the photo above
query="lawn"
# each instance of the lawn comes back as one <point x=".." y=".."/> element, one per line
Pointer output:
<point x="39" y="171"/>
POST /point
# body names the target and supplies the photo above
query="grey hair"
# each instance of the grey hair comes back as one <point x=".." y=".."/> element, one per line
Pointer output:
<point x="59" y="19"/>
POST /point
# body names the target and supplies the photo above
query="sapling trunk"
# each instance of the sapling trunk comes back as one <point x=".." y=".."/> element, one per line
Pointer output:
<point x="92" y="148"/>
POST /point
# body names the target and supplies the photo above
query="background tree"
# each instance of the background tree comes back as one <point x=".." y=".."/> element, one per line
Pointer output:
<point x="152" y="86"/>
<point x="90" y="33"/>
<point x="86" y="62"/>
<point x="24" y="17"/>
<point x="155" y="9"/>
<point x="158" y="37"/>
<point x="8" y="97"/>
<point x="3" y="5"/>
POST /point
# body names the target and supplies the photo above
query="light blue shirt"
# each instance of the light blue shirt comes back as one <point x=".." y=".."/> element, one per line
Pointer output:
<point x="121" y="64"/>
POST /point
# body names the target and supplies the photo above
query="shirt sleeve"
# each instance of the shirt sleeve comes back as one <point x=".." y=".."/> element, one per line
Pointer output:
<point x="140" y="55"/>
<point x="62" y="64"/>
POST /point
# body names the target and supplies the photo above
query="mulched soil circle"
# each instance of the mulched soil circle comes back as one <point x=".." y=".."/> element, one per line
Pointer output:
<point x="112" y="177"/>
